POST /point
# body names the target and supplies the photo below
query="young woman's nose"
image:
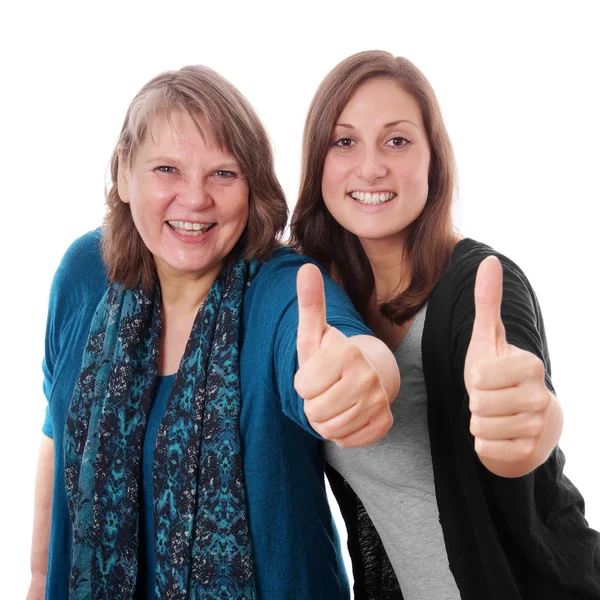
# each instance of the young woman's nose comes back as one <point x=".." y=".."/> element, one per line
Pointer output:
<point x="371" y="166"/>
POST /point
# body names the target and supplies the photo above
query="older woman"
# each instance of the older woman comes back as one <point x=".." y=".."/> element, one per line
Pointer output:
<point x="465" y="497"/>
<point x="191" y="466"/>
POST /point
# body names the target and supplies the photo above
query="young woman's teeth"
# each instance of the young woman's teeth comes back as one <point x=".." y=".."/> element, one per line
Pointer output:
<point x="372" y="199"/>
<point x="188" y="228"/>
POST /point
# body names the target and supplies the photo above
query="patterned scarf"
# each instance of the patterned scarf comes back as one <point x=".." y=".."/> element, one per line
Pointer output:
<point x="203" y="547"/>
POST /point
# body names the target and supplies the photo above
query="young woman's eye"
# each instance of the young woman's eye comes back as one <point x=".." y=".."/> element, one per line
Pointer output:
<point x="344" y="142"/>
<point x="165" y="169"/>
<point x="398" y="142"/>
<point x="225" y="174"/>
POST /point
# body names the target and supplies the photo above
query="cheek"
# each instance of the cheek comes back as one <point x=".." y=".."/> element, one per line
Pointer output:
<point x="234" y="207"/>
<point x="334" y="177"/>
<point x="146" y="196"/>
<point x="415" y="173"/>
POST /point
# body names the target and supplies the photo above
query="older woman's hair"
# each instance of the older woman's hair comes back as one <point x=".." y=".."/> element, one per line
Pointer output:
<point x="430" y="238"/>
<point x="200" y="92"/>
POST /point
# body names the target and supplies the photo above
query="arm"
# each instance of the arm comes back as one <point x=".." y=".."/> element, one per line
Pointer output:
<point x="41" y="519"/>
<point x="347" y="383"/>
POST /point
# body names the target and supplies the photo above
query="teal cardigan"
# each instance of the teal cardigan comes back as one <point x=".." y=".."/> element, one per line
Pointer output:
<point x="295" y="543"/>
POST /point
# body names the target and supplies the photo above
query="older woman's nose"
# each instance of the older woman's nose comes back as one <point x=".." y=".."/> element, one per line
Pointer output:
<point x="372" y="166"/>
<point x="194" y="195"/>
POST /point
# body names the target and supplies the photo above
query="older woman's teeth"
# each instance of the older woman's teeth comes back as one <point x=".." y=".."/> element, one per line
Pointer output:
<point x="373" y="199"/>
<point x="188" y="228"/>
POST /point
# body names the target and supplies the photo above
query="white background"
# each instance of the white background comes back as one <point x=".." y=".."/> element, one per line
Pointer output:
<point x="518" y="85"/>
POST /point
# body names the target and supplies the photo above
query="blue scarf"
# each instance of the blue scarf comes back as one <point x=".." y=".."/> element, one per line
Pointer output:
<point x="203" y="547"/>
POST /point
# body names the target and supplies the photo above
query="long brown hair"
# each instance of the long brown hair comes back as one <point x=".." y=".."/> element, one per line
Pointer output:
<point x="198" y="91"/>
<point x="431" y="236"/>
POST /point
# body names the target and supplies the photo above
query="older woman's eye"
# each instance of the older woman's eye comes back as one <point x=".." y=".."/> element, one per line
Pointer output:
<point x="165" y="169"/>
<point x="225" y="174"/>
<point x="398" y="142"/>
<point x="344" y="142"/>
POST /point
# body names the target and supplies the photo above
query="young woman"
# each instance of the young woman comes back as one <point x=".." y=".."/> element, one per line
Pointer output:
<point x="465" y="497"/>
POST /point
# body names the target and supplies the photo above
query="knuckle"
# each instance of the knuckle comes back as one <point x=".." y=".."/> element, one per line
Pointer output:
<point x="527" y="448"/>
<point x="481" y="448"/>
<point x="475" y="426"/>
<point x="383" y="400"/>
<point x="344" y="443"/>
<point x="352" y="352"/>
<point x="312" y="413"/>
<point x="388" y="421"/>
<point x="476" y="375"/>
<point x="536" y="426"/>
<point x="327" y="431"/>
<point x="371" y="377"/>
<point x="362" y="382"/>
<point x="541" y="400"/>
<point x="535" y="367"/>
<point x="475" y="403"/>
<point x="299" y="384"/>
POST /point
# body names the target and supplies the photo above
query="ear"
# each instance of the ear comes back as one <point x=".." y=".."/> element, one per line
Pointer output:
<point x="122" y="177"/>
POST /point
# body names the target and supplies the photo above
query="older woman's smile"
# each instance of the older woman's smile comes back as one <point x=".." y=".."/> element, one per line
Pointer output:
<point x="190" y="228"/>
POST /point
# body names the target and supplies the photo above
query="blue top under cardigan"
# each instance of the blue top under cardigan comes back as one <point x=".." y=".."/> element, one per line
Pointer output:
<point x="295" y="545"/>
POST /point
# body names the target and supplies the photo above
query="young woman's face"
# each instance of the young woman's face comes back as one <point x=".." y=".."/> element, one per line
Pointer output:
<point x="188" y="197"/>
<point x="375" y="176"/>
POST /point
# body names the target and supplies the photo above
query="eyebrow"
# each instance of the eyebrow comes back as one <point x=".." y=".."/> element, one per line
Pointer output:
<point x="231" y="164"/>
<point x="161" y="158"/>
<point x="391" y="124"/>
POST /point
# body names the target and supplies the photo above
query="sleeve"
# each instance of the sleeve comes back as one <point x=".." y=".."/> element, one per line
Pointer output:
<point x="278" y="294"/>
<point x="543" y="510"/>
<point x="79" y="269"/>
<point x="55" y="323"/>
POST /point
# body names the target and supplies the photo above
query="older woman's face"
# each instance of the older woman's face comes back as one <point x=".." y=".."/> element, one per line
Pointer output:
<point x="188" y="197"/>
<point x="375" y="176"/>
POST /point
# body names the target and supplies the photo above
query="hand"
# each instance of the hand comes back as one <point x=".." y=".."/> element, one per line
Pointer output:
<point x="508" y="397"/>
<point x="344" y="398"/>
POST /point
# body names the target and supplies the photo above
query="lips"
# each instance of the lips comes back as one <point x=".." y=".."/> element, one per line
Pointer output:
<point x="190" y="228"/>
<point x="372" y="199"/>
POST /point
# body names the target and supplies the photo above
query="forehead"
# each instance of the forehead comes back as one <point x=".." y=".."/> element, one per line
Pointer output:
<point x="178" y="131"/>
<point x="379" y="101"/>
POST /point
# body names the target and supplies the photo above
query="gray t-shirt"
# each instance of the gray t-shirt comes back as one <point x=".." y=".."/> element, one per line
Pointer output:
<point x="394" y="480"/>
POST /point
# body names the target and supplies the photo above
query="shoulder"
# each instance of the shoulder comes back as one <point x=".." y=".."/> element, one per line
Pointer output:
<point x="469" y="253"/>
<point x="451" y="308"/>
<point x="273" y="294"/>
<point x="276" y="279"/>
<point x="83" y="255"/>
<point x="283" y="260"/>
<point x="458" y="281"/>
<point x="78" y="285"/>
<point x="81" y="274"/>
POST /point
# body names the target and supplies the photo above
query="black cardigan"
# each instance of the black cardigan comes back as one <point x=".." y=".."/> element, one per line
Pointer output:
<point x="522" y="538"/>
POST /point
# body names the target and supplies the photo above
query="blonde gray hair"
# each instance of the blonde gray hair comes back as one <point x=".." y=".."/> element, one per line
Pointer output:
<point x="199" y="92"/>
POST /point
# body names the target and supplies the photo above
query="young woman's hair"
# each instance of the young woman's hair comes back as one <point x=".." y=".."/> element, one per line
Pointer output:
<point x="430" y="238"/>
<point x="200" y="92"/>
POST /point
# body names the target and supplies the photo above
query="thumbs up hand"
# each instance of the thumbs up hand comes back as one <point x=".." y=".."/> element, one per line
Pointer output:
<point x="344" y="397"/>
<point x="508" y="397"/>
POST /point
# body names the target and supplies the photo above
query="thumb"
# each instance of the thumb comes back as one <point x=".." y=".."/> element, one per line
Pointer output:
<point x="488" y="330"/>
<point x="312" y="322"/>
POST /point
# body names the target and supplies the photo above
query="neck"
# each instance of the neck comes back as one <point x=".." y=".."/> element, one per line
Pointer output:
<point x="390" y="270"/>
<point x="184" y="294"/>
